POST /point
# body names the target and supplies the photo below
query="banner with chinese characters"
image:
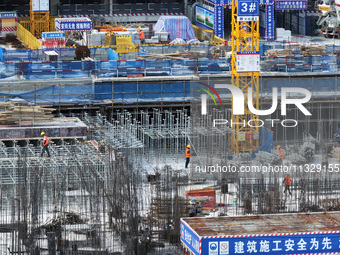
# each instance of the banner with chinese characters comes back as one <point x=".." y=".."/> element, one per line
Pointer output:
<point x="270" y="22"/>
<point x="302" y="243"/>
<point x="73" y="24"/>
<point x="291" y="5"/>
<point x="219" y="21"/>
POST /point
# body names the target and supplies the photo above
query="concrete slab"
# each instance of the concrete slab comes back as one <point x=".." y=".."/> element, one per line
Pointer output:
<point x="58" y="128"/>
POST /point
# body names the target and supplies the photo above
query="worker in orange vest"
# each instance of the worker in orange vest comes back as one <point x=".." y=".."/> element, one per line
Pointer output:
<point x="124" y="29"/>
<point x="281" y="153"/>
<point x="141" y="35"/>
<point x="287" y="180"/>
<point x="45" y="145"/>
<point x="187" y="156"/>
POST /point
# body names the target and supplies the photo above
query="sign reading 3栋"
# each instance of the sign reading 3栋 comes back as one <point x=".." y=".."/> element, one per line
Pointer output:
<point x="248" y="10"/>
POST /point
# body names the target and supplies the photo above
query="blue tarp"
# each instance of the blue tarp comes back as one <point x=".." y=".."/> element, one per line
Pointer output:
<point x="177" y="26"/>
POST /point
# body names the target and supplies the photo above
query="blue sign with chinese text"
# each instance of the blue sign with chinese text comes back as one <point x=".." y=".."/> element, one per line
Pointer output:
<point x="219" y="21"/>
<point x="248" y="10"/>
<point x="8" y="15"/>
<point x="270" y="24"/>
<point x="284" y="244"/>
<point x="190" y="239"/>
<point x="74" y="25"/>
<point x="53" y="34"/>
<point x="223" y="2"/>
<point x="291" y="5"/>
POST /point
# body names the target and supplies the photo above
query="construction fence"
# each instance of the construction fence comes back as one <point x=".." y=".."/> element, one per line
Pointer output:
<point x="125" y="92"/>
<point x="168" y="67"/>
<point x="105" y="62"/>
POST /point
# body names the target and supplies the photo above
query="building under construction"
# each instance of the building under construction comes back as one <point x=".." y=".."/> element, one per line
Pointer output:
<point x="119" y="119"/>
<point x="125" y="170"/>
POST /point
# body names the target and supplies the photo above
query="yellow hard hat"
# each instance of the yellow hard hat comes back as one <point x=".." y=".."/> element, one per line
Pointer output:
<point x="188" y="146"/>
<point x="139" y="28"/>
<point x="42" y="133"/>
<point x="278" y="146"/>
<point x="124" y="28"/>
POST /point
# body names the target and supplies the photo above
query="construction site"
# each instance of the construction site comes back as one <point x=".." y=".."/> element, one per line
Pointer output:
<point x="169" y="133"/>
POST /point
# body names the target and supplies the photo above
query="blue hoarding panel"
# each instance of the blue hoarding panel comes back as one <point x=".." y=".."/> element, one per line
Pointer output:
<point x="219" y="21"/>
<point x="270" y="23"/>
<point x="190" y="239"/>
<point x="284" y="244"/>
<point x="291" y="5"/>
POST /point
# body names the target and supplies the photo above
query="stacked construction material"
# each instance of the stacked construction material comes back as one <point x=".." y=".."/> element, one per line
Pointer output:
<point x="18" y="111"/>
<point x="176" y="55"/>
<point x="312" y="50"/>
<point x="278" y="52"/>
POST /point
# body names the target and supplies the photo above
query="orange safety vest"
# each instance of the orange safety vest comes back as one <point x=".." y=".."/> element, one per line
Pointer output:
<point x="187" y="153"/>
<point x="281" y="153"/>
<point x="45" y="140"/>
<point x="141" y="34"/>
<point x="287" y="181"/>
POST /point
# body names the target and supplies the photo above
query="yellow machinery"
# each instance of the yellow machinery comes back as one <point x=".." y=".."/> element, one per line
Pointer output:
<point x="123" y="43"/>
<point x="108" y="38"/>
<point x="40" y="21"/>
<point x="245" y="37"/>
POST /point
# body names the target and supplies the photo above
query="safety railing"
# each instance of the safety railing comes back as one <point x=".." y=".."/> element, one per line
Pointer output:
<point x="25" y="36"/>
<point x="116" y="68"/>
<point x="299" y="63"/>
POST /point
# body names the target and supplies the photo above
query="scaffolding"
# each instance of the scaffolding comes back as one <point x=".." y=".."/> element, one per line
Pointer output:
<point x="96" y="195"/>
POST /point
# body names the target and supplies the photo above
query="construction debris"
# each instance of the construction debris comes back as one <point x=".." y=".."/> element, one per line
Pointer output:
<point x="267" y="158"/>
<point x="218" y="51"/>
<point x="336" y="152"/>
<point x="296" y="158"/>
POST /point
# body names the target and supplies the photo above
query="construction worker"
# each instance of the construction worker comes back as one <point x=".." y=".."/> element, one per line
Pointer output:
<point x="287" y="180"/>
<point x="45" y="145"/>
<point x="187" y="156"/>
<point x="146" y="238"/>
<point x="141" y="35"/>
<point x="124" y="29"/>
<point x="192" y="208"/>
<point x="281" y="153"/>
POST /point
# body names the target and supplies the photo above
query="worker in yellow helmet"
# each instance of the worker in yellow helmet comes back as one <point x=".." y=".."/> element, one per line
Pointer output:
<point x="45" y="144"/>
<point x="124" y="29"/>
<point x="141" y="35"/>
<point x="187" y="156"/>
